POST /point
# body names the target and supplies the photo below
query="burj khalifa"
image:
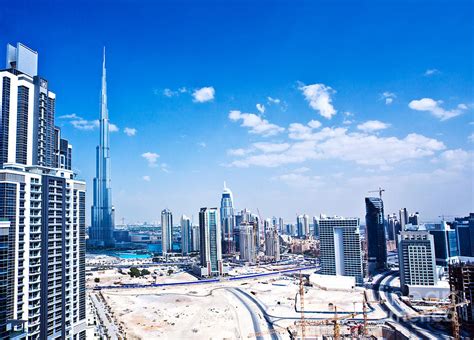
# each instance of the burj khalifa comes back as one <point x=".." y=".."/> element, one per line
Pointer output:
<point x="101" y="234"/>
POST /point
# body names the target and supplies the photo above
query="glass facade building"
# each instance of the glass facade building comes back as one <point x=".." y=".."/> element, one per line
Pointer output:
<point x="375" y="234"/>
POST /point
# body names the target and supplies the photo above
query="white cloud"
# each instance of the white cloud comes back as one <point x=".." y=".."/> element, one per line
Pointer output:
<point x="204" y="94"/>
<point x="299" y="179"/>
<point x="164" y="167"/>
<point x="146" y="178"/>
<point x="202" y="144"/>
<point x="301" y="170"/>
<point x="69" y="116"/>
<point x="260" y="108"/>
<point x="256" y="124"/>
<point x="372" y="125"/>
<point x="337" y="143"/>
<point x="273" y="100"/>
<point x="431" y="72"/>
<point x="388" y="97"/>
<point x="151" y="158"/>
<point x="271" y="147"/>
<point x="183" y="90"/>
<point x="314" y="124"/>
<point x="169" y="93"/>
<point x="434" y="107"/>
<point x="319" y="98"/>
<point x="83" y="124"/>
<point x="456" y="159"/>
<point x="130" y="131"/>
<point x="113" y="127"/>
<point x="471" y="137"/>
<point x="238" y="152"/>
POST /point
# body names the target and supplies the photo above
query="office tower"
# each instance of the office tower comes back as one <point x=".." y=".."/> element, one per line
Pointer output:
<point x="248" y="247"/>
<point x="227" y="221"/>
<point x="414" y="219"/>
<point x="166" y="231"/>
<point x="302" y="225"/>
<point x="403" y="213"/>
<point x="267" y="224"/>
<point x="4" y="277"/>
<point x="442" y="235"/>
<point x="272" y="244"/>
<point x="186" y="235"/>
<point x="416" y="257"/>
<point x="195" y="239"/>
<point x="393" y="227"/>
<point x="375" y="234"/>
<point x="464" y="227"/>
<point x="102" y="221"/>
<point x="461" y="280"/>
<point x="316" y="227"/>
<point x="210" y="233"/>
<point x="340" y="247"/>
<point x="281" y="225"/>
<point x="45" y="208"/>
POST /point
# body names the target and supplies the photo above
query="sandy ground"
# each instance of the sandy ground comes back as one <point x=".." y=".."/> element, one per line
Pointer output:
<point x="194" y="312"/>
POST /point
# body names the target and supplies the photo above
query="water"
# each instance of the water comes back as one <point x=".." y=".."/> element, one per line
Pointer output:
<point x="132" y="256"/>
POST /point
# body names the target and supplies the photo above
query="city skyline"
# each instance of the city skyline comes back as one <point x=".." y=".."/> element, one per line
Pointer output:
<point x="326" y="126"/>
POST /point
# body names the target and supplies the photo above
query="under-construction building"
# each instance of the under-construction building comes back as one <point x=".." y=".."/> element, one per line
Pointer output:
<point x="461" y="280"/>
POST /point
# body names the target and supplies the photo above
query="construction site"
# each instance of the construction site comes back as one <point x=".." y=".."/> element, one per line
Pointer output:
<point x="282" y="306"/>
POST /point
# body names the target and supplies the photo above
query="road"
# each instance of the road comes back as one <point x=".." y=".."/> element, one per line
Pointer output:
<point x="384" y="290"/>
<point x="112" y="329"/>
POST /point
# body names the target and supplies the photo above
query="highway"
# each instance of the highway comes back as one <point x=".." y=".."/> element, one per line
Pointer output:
<point x="396" y="309"/>
<point x="113" y="332"/>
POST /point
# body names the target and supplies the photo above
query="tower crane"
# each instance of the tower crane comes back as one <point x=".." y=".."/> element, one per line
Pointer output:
<point x="380" y="191"/>
<point x="452" y="308"/>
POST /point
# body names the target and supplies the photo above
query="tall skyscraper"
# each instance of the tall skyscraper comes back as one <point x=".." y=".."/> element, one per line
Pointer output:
<point x="316" y="227"/>
<point x="416" y="257"/>
<point x="186" y="235"/>
<point x="227" y="221"/>
<point x="393" y="227"/>
<point x="210" y="233"/>
<point x="247" y="243"/>
<point x="272" y="244"/>
<point x="340" y="247"/>
<point x="302" y="225"/>
<point x="414" y="218"/>
<point x="375" y="234"/>
<point x="464" y="227"/>
<point x="195" y="239"/>
<point x="42" y="206"/>
<point x="403" y="213"/>
<point x="102" y="228"/>
<point x="166" y="231"/>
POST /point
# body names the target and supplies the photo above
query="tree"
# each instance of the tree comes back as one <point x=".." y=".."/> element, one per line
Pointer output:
<point x="134" y="272"/>
<point x="96" y="280"/>
<point x="170" y="271"/>
<point x="145" y="272"/>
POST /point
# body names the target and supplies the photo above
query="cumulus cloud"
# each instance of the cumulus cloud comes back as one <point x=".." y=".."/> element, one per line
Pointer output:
<point x="256" y="124"/>
<point x="238" y="152"/>
<point x="204" y="94"/>
<point x="271" y="147"/>
<point x="338" y="143"/>
<point x="319" y="98"/>
<point x="113" y="127"/>
<point x="86" y="125"/>
<point x="388" y="97"/>
<point x="146" y="178"/>
<point x="273" y="100"/>
<point x="372" y="125"/>
<point x="151" y="158"/>
<point x="130" y="131"/>
<point x="169" y="93"/>
<point x="471" y="137"/>
<point x="431" y="72"/>
<point x="434" y="107"/>
<point x="260" y="108"/>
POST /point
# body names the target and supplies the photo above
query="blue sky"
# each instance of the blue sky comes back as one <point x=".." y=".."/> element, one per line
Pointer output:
<point x="352" y="95"/>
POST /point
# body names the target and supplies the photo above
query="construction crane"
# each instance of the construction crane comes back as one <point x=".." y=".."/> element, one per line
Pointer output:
<point x="451" y="307"/>
<point x="303" y="323"/>
<point x="380" y="191"/>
